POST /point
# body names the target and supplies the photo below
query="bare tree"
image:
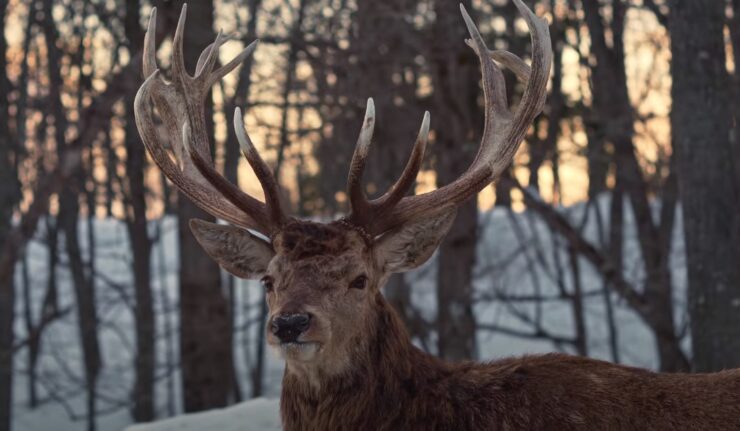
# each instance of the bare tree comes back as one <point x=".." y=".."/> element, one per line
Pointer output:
<point x="241" y="94"/>
<point x="734" y="26"/>
<point x="701" y="121"/>
<point x="93" y="113"/>
<point x="614" y="117"/>
<point x="205" y="323"/>
<point x="408" y="56"/>
<point x="9" y="196"/>
<point x="141" y="245"/>
<point x="231" y="161"/>
<point x="382" y="66"/>
<point x="455" y="100"/>
<point x="69" y="212"/>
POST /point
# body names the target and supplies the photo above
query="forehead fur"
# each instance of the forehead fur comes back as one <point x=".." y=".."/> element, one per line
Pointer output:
<point x="304" y="239"/>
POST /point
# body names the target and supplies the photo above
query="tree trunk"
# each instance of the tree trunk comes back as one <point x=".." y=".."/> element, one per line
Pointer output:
<point x="7" y="315"/>
<point x="141" y="244"/>
<point x="734" y="26"/>
<point x="701" y="124"/>
<point x="579" y="315"/>
<point x="205" y="324"/>
<point x="69" y="211"/>
<point x="615" y="248"/>
<point x="9" y="195"/>
<point x="294" y="48"/>
<point x="168" y="319"/>
<point x="455" y="79"/>
<point x="612" y="119"/>
<point x="241" y="97"/>
<point x="541" y="149"/>
<point x="597" y="159"/>
<point x="33" y="344"/>
<point x="232" y="153"/>
<point x="257" y="372"/>
<point x="386" y="71"/>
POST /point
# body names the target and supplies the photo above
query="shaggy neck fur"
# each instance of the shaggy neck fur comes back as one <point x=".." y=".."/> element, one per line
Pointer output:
<point x="382" y="372"/>
<point x="391" y="385"/>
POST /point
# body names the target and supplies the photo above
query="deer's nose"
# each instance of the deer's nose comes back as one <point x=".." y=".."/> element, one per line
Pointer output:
<point x="287" y="327"/>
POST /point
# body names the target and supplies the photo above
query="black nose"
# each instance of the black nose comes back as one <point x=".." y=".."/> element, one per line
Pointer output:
<point x="287" y="327"/>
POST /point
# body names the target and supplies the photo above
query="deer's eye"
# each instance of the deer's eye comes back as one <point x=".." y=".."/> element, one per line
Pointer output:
<point x="267" y="283"/>
<point x="359" y="282"/>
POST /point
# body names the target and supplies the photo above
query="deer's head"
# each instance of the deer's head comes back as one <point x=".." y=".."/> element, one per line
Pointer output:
<point x="324" y="280"/>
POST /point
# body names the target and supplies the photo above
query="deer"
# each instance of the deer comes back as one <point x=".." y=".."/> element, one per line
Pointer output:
<point x="349" y="362"/>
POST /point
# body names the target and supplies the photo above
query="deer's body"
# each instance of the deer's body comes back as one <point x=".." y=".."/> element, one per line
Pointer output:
<point x="386" y="383"/>
<point x="349" y="362"/>
<point x="395" y="386"/>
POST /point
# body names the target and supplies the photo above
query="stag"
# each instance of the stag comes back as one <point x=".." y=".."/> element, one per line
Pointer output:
<point x="350" y="364"/>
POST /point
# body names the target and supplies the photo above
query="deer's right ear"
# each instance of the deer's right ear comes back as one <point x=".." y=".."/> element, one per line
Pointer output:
<point x="236" y="250"/>
<point x="413" y="243"/>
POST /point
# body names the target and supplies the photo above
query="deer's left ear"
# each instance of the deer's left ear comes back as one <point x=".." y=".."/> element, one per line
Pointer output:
<point x="413" y="243"/>
<point x="236" y="250"/>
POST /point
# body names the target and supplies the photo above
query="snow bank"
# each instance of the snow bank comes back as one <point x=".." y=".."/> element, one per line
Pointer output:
<point x="255" y="415"/>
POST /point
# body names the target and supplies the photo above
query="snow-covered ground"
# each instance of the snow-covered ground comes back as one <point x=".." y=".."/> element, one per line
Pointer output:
<point x="517" y="255"/>
<point x="259" y="414"/>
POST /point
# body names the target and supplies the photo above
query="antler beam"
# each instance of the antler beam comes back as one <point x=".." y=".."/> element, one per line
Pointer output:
<point x="180" y="103"/>
<point x="503" y="132"/>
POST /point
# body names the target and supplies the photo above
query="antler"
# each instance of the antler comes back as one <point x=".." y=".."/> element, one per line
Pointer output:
<point x="502" y="133"/>
<point x="180" y="103"/>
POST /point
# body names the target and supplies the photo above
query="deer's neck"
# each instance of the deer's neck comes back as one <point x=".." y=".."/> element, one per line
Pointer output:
<point x="383" y="373"/>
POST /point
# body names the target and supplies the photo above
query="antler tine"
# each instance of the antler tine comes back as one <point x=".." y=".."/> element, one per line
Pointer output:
<point x="502" y="149"/>
<point x="180" y="104"/>
<point x="150" y="45"/>
<point x="231" y="192"/>
<point x="204" y="56"/>
<point x="513" y="63"/>
<point x="398" y="190"/>
<point x="502" y="133"/>
<point x="357" y="200"/>
<point x="262" y="171"/>
<point x="535" y="93"/>
<point x="179" y="72"/>
<point x="363" y="211"/>
<point x="224" y="70"/>
<point x="208" y="57"/>
<point x="206" y="198"/>
<point x="494" y="86"/>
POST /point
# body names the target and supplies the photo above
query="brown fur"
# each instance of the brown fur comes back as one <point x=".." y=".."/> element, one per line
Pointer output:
<point x="300" y="240"/>
<point x="394" y="386"/>
<point x="353" y="367"/>
<point x="360" y="370"/>
<point x="373" y="378"/>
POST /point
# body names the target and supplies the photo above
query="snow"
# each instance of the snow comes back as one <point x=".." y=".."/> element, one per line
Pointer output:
<point x="517" y="255"/>
<point x="259" y="414"/>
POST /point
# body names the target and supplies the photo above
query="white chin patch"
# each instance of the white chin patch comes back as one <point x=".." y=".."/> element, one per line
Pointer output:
<point x="298" y="351"/>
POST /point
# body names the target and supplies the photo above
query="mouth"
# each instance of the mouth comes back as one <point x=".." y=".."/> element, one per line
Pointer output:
<point x="298" y="350"/>
<point x="299" y="345"/>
